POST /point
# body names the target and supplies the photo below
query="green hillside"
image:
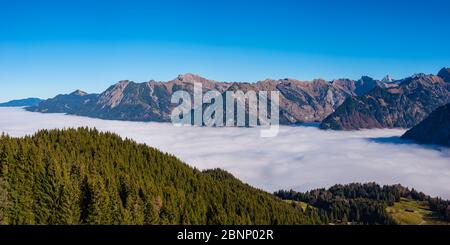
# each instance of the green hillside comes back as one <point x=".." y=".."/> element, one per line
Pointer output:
<point x="370" y="203"/>
<point x="83" y="176"/>
<point x="411" y="212"/>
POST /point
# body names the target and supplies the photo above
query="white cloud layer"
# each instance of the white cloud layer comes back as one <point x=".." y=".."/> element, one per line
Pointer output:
<point x="300" y="158"/>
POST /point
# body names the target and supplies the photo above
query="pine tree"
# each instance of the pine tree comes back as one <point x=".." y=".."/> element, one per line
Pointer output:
<point x="4" y="202"/>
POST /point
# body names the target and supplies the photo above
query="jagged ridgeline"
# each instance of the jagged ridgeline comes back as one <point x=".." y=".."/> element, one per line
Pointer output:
<point x="82" y="176"/>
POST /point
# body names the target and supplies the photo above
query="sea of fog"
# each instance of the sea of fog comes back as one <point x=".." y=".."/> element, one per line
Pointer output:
<point x="300" y="157"/>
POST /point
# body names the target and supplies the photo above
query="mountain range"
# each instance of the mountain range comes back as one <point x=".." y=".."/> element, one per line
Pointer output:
<point x="300" y="101"/>
<point x="21" y="102"/>
<point x="340" y="104"/>
<point x="402" y="105"/>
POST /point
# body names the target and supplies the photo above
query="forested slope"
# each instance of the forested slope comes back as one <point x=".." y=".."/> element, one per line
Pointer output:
<point x="83" y="176"/>
<point x="367" y="203"/>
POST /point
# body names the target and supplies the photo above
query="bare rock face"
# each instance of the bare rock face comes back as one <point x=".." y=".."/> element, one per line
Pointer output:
<point x="387" y="79"/>
<point x="401" y="106"/>
<point x="300" y="101"/>
<point x="341" y="104"/>
<point x="435" y="129"/>
<point x="309" y="101"/>
<point x="113" y="95"/>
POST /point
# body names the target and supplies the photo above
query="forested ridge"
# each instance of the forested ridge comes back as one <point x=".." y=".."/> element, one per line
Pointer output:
<point x="83" y="176"/>
<point x="363" y="203"/>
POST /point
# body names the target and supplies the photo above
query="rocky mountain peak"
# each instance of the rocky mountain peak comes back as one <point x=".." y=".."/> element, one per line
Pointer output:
<point x="189" y="77"/>
<point x="444" y="73"/>
<point x="366" y="78"/>
<point x="387" y="79"/>
<point x="418" y="75"/>
<point x="120" y="86"/>
<point x="123" y="82"/>
<point x="114" y="94"/>
<point x="79" y="93"/>
<point x="402" y="106"/>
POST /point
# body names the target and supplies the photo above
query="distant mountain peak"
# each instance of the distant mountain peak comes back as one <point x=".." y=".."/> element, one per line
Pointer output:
<point x="21" y="102"/>
<point x="387" y="79"/>
<point x="366" y="78"/>
<point x="419" y="75"/>
<point x="123" y="81"/>
<point x="79" y="93"/>
<point x="444" y="73"/>
<point x="122" y="84"/>
<point x="188" y="77"/>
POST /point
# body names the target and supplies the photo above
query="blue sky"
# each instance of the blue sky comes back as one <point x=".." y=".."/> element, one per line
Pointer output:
<point x="51" y="47"/>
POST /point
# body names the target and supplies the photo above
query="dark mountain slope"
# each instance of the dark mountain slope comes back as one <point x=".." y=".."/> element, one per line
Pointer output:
<point x="435" y="129"/>
<point x="403" y="106"/>
<point x="77" y="102"/>
<point x="22" y="102"/>
<point x="444" y="73"/>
